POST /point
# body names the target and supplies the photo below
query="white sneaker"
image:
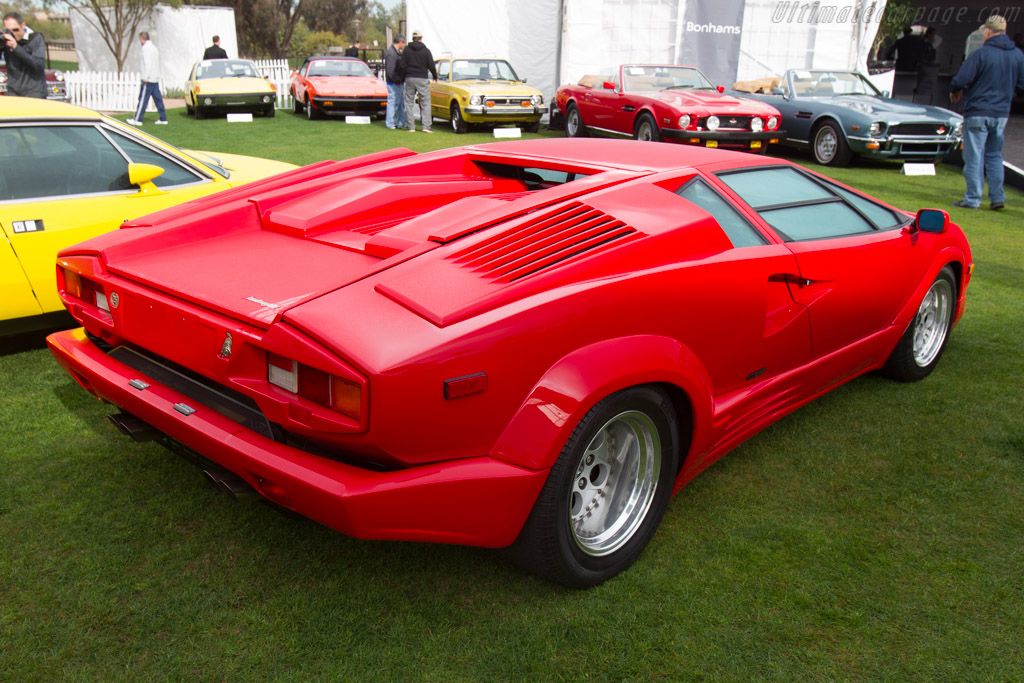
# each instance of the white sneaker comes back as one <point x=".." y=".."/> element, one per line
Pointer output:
<point x="161" y="123"/>
<point x="133" y="122"/>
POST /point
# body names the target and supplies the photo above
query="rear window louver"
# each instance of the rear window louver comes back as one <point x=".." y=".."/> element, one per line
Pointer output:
<point x="544" y="242"/>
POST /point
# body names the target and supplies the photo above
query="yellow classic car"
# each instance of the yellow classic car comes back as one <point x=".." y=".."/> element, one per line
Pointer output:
<point x="67" y="174"/>
<point x="218" y="86"/>
<point x="483" y="91"/>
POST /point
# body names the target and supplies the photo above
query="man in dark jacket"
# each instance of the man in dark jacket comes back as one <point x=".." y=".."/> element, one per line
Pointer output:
<point x="988" y="77"/>
<point x="25" y="55"/>
<point x="418" y="62"/>
<point x="394" y="76"/>
<point x="215" y="51"/>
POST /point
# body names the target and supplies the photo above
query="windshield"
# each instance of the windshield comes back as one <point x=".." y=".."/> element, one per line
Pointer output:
<point x="827" y="83"/>
<point x="483" y="70"/>
<point x="227" y="68"/>
<point x="642" y="78"/>
<point x="338" y="67"/>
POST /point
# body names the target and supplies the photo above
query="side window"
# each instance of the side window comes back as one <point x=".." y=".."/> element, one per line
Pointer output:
<point x="737" y="229"/>
<point x="800" y="207"/>
<point x="55" y="161"/>
<point x="443" y="70"/>
<point x="174" y="173"/>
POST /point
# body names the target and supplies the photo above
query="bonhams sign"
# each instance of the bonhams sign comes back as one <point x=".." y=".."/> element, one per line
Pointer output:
<point x="711" y="38"/>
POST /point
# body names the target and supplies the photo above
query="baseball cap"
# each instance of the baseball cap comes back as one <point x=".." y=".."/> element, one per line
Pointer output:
<point x="417" y="34"/>
<point x="995" y="23"/>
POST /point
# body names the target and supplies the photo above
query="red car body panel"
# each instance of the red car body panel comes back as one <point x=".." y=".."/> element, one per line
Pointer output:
<point x="405" y="274"/>
<point x="617" y="110"/>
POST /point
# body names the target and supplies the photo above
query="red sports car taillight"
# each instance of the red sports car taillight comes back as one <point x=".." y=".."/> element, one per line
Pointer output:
<point x="315" y="385"/>
<point x="84" y="289"/>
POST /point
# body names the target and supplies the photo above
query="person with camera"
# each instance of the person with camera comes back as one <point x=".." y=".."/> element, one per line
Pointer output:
<point x="149" y="69"/>
<point x="24" y="51"/>
<point x="394" y="76"/>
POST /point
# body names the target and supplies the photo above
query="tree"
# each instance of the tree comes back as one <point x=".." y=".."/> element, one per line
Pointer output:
<point x="116" y="21"/>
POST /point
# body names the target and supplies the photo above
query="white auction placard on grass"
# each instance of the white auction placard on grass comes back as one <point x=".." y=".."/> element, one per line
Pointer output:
<point x="240" y="118"/>
<point x="357" y="119"/>
<point x="508" y="133"/>
<point x="918" y="169"/>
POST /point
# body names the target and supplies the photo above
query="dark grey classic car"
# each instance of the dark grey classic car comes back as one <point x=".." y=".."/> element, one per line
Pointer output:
<point x="840" y="114"/>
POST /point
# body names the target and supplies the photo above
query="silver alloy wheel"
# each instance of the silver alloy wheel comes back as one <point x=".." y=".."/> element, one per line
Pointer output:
<point x="615" y="482"/>
<point x="825" y="144"/>
<point x="644" y="132"/>
<point x="572" y="122"/>
<point x="932" y="322"/>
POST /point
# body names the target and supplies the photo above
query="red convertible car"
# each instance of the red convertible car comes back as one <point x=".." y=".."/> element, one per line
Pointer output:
<point x="337" y="86"/>
<point x="518" y="345"/>
<point x="665" y="102"/>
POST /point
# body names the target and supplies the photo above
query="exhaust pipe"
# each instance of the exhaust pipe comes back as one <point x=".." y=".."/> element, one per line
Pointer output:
<point x="132" y="426"/>
<point x="231" y="484"/>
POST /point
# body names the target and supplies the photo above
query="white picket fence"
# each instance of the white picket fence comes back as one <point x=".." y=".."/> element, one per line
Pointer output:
<point x="110" y="91"/>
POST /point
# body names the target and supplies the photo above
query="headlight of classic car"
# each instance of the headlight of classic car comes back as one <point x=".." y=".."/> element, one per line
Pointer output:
<point x="475" y="100"/>
<point x="876" y="128"/>
<point x="958" y="129"/>
<point x="684" y="121"/>
<point x="537" y="100"/>
<point x="713" y="123"/>
<point x="756" y="124"/>
<point x="773" y="123"/>
<point x="59" y="75"/>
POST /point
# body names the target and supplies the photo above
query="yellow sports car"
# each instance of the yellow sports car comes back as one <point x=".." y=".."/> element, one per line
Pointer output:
<point x="67" y="174"/>
<point x="483" y="91"/>
<point x="218" y="86"/>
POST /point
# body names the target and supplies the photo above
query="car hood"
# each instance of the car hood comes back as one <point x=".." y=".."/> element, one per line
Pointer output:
<point x="232" y="86"/>
<point x="348" y="86"/>
<point x="713" y="102"/>
<point x="242" y="169"/>
<point x="873" y="104"/>
<point x="479" y="87"/>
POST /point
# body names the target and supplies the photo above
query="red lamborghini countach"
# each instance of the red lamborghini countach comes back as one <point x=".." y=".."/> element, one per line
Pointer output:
<point x="524" y="345"/>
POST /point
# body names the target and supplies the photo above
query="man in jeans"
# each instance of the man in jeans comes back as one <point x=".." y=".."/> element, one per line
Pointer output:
<point x="149" y="66"/>
<point x="988" y="76"/>
<point x="418" y="62"/>
<point x="395" y="78"/>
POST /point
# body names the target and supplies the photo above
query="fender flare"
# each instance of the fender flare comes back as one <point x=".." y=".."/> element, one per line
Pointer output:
<point x="951" y="255"/>
<point x="536" y="434"/>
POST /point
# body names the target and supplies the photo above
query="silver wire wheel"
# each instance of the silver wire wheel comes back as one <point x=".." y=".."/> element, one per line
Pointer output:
<point x="615" y="481"/>
<point x="932" y="323"/>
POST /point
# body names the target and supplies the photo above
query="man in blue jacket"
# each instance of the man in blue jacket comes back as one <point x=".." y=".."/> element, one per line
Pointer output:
<point x="988" y="76"/>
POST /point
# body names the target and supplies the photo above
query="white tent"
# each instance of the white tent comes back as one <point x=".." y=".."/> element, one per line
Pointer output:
<point x="552" y="42"/>
<point x="180" y="34"/>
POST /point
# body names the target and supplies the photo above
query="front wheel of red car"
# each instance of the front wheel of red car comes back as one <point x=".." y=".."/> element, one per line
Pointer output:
<point x="646" y="129"/>
<point x="606" y="493"/>
<point x="921" y="346"/>
<point x="311" y="112"/>
<point x="574" y="127"/>
<point x="296" y="104"/>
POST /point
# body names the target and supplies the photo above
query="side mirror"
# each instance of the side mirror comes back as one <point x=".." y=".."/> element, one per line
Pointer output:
<point x="932" y="220"/>
<point x="720" y="88"/>
<point x="608" y="85"/>
<point x="143" y="175"/>
<point x="778" y="91"/>
<point x="886" y="93"/>
<point x="523" y="81"/>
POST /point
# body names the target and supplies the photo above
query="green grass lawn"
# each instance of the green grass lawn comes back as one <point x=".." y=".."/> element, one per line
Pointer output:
<point x="874" y="534"/>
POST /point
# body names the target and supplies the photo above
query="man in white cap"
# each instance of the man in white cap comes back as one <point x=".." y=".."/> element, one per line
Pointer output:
<point x="988" y="77"/>
<point x="418" y="63"/>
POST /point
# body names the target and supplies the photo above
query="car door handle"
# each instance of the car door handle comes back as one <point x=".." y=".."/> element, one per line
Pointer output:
<point x="790" y="279"/>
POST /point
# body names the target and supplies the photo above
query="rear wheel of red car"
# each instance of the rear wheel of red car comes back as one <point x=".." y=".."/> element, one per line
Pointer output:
<point x="829" y="145"/>
<point x="606" y="493"/>
<point x="574" y="127"/>
<point x="921" y="346"/>
<point x="458" y="123"/>
<point x="646" y="129"/>
<point x="296" y="104"/>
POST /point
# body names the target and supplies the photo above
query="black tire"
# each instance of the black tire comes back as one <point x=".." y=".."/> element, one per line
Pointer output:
<point x="296" y="104"/>
<point x="574" y="127"/>
<point x="200" y="114"/>
<point x="556" y="542"/>
<point x="311" y="113"/>
<point x="459" y="125"/>
<point x="829" y="145"/>
<point x="189" y="109"/>
<point x="921" y="346"/>
<point x="646" y="129"/>
<point x="532" y="127"/>
<point x="270" y="112"/>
